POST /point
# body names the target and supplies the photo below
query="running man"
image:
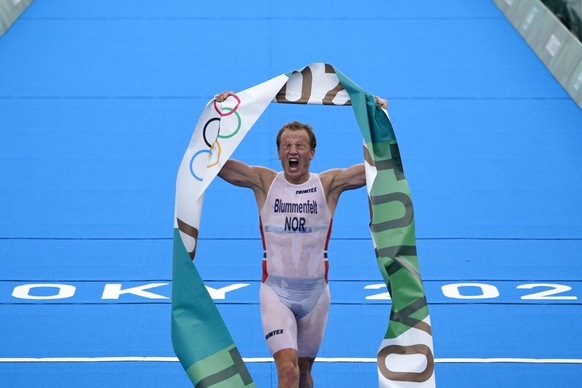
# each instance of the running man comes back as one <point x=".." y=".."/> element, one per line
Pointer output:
<point x="296" y="209"/>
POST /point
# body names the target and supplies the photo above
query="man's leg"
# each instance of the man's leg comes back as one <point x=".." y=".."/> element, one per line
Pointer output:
<point x="280" y="331"/>
<point x="287" y="368"/>
<point x="310" y="330"/>
<point x="305" y="378"/>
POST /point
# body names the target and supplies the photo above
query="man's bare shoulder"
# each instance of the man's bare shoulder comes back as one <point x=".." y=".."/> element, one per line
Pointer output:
<point x="264" y="171"/>
<point x="240" y="174"/>
<point x="343" y="178"/>
<point x="329" y="175"/>
<point x="267" y="176"/>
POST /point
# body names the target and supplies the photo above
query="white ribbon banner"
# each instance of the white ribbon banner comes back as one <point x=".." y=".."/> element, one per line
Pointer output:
<point x="201" y="340"/>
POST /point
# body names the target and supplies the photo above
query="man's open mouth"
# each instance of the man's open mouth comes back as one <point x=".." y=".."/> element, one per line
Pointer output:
<point x="293" y="162"/>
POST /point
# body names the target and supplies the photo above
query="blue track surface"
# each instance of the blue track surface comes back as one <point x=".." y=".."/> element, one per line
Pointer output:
<point x="98" y="100"/>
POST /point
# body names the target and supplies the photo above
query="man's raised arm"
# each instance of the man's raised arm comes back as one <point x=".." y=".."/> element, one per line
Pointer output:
<point x="240" y="174"/>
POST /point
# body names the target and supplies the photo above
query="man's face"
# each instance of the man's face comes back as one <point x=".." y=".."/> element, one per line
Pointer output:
<point x="295" y="155"/>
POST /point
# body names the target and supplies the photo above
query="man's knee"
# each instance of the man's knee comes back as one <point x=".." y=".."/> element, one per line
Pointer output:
<point x="287" y="368"/>
<point x="305" y="378"/>
<point x="288" y="372"/>
<point x="305" y="364"/>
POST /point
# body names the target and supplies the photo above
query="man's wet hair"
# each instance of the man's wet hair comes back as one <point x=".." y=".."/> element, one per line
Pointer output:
<point x="297" y="126"/>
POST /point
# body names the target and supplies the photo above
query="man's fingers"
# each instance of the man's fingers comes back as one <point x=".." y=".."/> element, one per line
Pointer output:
<point x="220" y="97"/>
<point x="382" y="102"/>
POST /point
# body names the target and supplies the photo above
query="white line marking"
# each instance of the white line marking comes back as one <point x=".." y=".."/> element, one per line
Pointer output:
<point x="510" y="360"/>
<point x="319" y="359"/>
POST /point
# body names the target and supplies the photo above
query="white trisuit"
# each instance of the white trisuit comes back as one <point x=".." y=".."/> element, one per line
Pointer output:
<point x="294" y="294"/>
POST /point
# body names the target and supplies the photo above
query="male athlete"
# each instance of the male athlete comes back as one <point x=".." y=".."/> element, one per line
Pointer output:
<point x="296" y="209"/>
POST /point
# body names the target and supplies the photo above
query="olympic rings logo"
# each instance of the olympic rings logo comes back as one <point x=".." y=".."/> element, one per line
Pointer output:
<point x="211" y="134"/>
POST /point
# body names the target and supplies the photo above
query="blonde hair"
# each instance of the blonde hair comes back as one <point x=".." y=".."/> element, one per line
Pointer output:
<point x="297" y="126"/>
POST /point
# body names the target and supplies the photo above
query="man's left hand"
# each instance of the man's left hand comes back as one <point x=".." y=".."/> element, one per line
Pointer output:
<point x="382" y="103"/>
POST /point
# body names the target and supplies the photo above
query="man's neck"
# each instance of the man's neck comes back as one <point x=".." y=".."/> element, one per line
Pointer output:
<point x="297" y="180"/>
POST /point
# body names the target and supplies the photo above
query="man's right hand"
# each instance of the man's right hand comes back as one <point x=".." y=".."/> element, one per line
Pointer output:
<point x="220" y="97"/>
